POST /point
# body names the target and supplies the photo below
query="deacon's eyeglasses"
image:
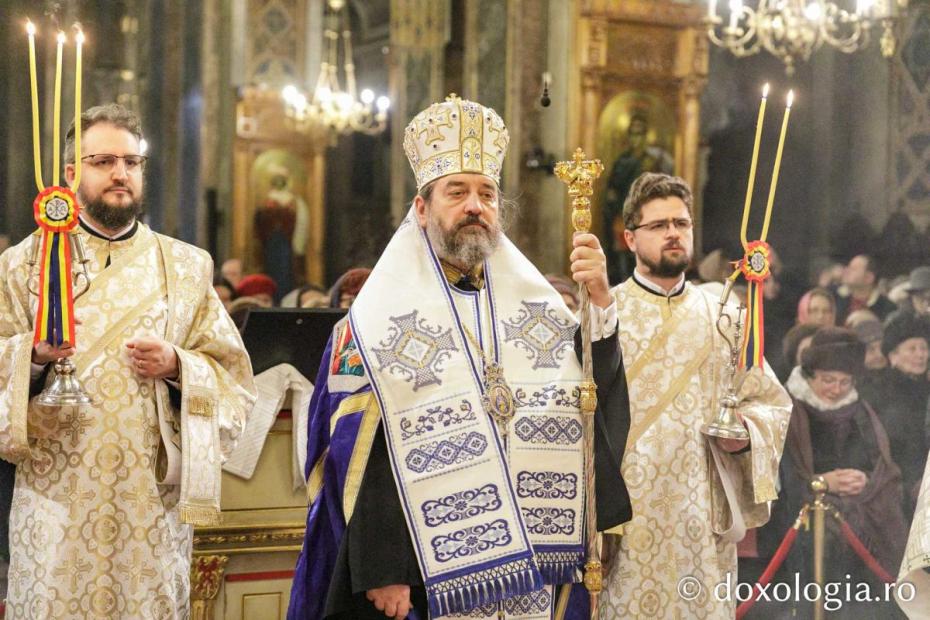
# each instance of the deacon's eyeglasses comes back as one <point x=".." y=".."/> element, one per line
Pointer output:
<point x="681" y="224"/>
<point x="106" y="162"/>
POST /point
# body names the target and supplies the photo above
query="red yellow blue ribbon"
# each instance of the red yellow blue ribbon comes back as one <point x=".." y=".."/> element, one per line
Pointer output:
<point x="755" y="267"/>
<point x="56" y="213"/>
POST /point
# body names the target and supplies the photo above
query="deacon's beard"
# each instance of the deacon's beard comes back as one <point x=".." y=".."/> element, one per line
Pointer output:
<point x="667" y="266"/>
<point x="464" y="248"/>
<point x="108" y="216"/>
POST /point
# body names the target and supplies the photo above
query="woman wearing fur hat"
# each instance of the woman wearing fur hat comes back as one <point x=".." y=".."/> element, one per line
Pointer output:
<point x="901" y="391"/>
<point x="837" y="435"/>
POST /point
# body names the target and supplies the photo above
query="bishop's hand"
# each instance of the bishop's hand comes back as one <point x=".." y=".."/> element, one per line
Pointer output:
<point x="589" y="267"/>
<point x="394" y="600"/>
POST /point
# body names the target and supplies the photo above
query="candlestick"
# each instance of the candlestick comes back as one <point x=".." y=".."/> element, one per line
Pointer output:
<point x="33" y="85"/>
<point x="781" y="145"/>
<point x="752" y="166"/>
<point x="79" y="39"/>
<point x="56" y="129"/>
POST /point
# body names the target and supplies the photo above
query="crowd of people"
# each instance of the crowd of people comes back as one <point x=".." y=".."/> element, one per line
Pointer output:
<point x="241" y="293"/>
<point x="855" y="362"/>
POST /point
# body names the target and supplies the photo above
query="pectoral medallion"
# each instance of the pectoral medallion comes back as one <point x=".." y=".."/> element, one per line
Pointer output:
<point x="498" y="397"/>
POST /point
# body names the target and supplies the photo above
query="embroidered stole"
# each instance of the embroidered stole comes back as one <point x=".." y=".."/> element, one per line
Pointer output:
<point x="491" y="517"/>
<point x="660" y="384"/>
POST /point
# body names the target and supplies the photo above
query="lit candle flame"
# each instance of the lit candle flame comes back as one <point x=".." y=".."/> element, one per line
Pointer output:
<point x="79" y="37"/>
<point x="790" y="97"/>
<point x="765" y="91"/>
<point x="62" y="38"/>
<point x="30" y="28"/>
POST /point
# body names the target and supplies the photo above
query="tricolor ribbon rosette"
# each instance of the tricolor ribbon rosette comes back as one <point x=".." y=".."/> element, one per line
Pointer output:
<point x="56" y="213"/>
<point x="756" y="268"/>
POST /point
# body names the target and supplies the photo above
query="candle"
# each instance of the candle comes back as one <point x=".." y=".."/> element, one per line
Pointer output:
<point x="56" y="129"/>
<point x="79" y="38"/>
<point x="781" y="145"/>
<point x="752" y="166"/>
<point x="736" y="7"/>
<point x="33" y="84"/>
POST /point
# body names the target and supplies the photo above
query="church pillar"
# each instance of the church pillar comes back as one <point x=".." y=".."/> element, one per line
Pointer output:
<point x="419" y="32"/>
<point x="908" y="161"/>
<point x="190" y="204"/>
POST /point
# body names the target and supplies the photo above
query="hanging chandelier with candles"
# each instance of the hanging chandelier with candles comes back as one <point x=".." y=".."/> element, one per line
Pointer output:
<point x="792" y="30"/>
<point x="337" y="110"/>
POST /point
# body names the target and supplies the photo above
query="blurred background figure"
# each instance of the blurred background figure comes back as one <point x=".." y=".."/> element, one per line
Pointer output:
<point x="860" y="290"/>
<point x="347" y="287"/>
<point x="259" y="287"/>
<point x="310" y="296"/>
<point x="918" y="291"/>
<point x="231" y="270"/>
<point x="567" y="288"/>
<point x="900" y="393"/>
<point x="817" y="307"/>
<point x="860" y="316"/>
<point x="793" y="345"/>
<point x="870" y="333"/>
<point x="224" y="290"/>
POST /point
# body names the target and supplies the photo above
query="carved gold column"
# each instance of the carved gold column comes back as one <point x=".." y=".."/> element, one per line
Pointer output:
<point x="206" y="578"/>
<point x="419" y="31"/>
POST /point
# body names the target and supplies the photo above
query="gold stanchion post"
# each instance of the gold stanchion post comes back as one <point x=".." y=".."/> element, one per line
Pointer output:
<point x="819" y="507"/>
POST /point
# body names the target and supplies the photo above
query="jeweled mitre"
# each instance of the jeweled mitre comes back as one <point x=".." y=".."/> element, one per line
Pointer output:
<point x="455" y="136"/>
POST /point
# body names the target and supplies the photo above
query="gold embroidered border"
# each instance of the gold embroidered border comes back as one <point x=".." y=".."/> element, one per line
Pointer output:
<point x="359" y="460"/>
<point x="200" y="405"/>
<point x="315" y="480"/>
<point x="114" y="270"/>
<point x="638" y="430"/>
<point x="658" y="343"/>
<point x="81" y="361"/>
<point x="565" y="592"/>
<point x="19" y="398"/>
<point x="349" y="405"/>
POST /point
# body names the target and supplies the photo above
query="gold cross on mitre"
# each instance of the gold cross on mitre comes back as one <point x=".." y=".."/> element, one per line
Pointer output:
<point x="580" y="174"/>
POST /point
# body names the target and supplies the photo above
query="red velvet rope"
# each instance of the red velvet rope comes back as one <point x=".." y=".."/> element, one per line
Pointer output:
<point x="770" y="571"/>
<point x="862" y="552"/>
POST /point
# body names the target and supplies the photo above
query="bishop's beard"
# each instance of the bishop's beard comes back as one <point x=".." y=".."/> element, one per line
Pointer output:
<point x="461" y="247"/>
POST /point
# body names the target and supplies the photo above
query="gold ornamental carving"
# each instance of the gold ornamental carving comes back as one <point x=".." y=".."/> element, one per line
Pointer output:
<point x="206" y="577"/>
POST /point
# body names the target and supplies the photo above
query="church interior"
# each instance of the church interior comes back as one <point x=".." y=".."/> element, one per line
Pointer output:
<point x="273" y="136"/>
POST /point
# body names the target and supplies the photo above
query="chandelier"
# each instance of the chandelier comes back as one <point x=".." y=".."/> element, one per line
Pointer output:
<point x="792" y="30"/>
<point x="338" y="111"/>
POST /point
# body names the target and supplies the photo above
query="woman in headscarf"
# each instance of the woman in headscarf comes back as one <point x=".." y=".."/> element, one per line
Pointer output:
<point x="901" y="392"/>
<point x="347" y="287"/>
<point x="817" y="307"/>
<point x="836" y="435"/>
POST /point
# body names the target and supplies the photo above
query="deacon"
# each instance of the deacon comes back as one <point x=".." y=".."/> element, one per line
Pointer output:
<point x="693" y="496"/>
<point x="445" y="463"/>
<point x="105" y="493"/>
